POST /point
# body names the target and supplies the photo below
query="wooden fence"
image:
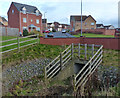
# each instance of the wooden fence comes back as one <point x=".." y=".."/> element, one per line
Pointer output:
<point x="58" y="63"/>
<point x="82" y="76"/>
<point x="18" y="42"/>
<point x="91" y="53"/>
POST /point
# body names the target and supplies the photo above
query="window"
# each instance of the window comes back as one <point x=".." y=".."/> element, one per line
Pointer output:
<point x="92" y="28"/>
<point x="24" y="28"/>
<point x="12" y="11"/>
<point x="24" y="20"/>
<point x="24" y="10"/>
<point x="37" y="12"/>
<point x="92" y="23"/>
<point x="31" y="20"/>
<point x="37" y="21"/>
<point x="85" y="23"/>
<point x="37" y="28"/>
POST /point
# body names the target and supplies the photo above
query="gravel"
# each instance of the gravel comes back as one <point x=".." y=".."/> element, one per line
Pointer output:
<point x="24" y="71"/>
<point x="109" y="75"/>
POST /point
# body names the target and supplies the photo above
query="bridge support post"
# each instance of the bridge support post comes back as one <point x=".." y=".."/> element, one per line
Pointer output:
<point x="92" y="49"/>
<point x="85" y="51"/>
<point x="72" y="51"/>
<point x="61" y="61"/>
<point x="18" y="42"/>
<point x="79" y="50"/>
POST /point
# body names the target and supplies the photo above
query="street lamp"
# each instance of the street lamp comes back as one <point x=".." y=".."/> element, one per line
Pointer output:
<point x="81" y="18"/>
<point x="44" y="19"/>
<point x="44" y="14"/>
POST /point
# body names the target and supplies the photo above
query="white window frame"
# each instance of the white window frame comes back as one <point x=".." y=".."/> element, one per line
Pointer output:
<point x="24" y="20"/>
<point x="24" y="10"/>
<point x="92" y="23"/>
<point x="12" y="11"/>
<point x="37" y="13"/>
<point x="37" y="21"/>
<point x="24" y="28"/>
<point x="31" y="20"/>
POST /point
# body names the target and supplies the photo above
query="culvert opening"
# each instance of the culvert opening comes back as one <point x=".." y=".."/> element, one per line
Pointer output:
<point x="78" y="67"/>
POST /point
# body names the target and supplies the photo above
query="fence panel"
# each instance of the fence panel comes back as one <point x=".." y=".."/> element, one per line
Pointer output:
<point x="18" y="42"/>
<point x="82" y="76"/>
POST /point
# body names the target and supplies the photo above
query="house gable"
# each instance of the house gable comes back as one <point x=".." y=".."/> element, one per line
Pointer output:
<point x="90" y="19"/>
<point x="29" y="8"/>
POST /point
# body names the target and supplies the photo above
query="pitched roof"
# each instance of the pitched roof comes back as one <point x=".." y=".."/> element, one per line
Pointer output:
<point x="108" y="26"/>
<point x="57" y="23"/>
<point x="1" y="23"/>
<point x="49" y="23"/>
<point x="99" y="25"/>
<point x="29" y="8"/>
<point x="78" y="17"/>
<point x="3" y="19"/>
<point x="65" y="24"/>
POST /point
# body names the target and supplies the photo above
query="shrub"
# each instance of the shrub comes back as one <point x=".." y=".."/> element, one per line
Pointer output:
<point x="25" y="32"/>
<point x="117" y="89"/>
<point x="53" y="30"/>
<point x="34" y="32"/>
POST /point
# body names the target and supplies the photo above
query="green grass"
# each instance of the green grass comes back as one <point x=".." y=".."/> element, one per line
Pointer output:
<point x="94" y="35"/>
<point x="7" y="37"/>
<point x="31" y="52"/>
<point x="14" y="41"/>
<point x="110" y="57"/>
<point x="15" y="46"/>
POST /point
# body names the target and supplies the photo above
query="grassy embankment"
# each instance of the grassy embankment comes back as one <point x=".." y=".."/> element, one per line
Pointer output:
<point x="36" y="86"/>
<point x="94" y="35"/>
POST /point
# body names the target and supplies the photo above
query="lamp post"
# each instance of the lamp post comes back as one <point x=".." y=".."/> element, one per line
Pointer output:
<point x="81" y="18"/>
<point x="44" y="20"/>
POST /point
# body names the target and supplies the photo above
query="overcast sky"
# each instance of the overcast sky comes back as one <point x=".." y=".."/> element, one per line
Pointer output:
<point x="104" y="11"/>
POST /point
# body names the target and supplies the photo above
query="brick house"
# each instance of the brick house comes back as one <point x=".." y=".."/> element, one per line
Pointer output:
<point x="109" y="27"/>
<point x="24" y="16"/>
<point x="65" y="26"/>
<point x="3" y="21"/>
<point x="99" y="26"/>
<point x="57" y="26"/>
<point x="88" y="22"/>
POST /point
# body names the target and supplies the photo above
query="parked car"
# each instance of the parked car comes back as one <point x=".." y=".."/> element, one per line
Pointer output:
<point x="50" y="35"/>
<point x="43" y="31"/>
<point x="63" y="31"/>
<point x="47" y="31"/>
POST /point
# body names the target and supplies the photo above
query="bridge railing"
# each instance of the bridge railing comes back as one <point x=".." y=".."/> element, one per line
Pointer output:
<point x="58" y="63"/>
<point x="83" y="51"/>
<point x="82" y="76"/>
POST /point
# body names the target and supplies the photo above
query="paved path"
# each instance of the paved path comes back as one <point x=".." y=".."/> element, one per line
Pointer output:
<point x="60" y="35"/>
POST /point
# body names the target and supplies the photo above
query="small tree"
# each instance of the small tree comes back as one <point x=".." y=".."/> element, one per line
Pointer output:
<point x="25" y="32"/>
<point x="53" y="30"/>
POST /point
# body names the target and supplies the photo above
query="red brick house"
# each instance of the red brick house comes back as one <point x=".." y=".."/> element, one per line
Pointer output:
<point x="24" y="16"/>
<point x="88" y="22"/>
